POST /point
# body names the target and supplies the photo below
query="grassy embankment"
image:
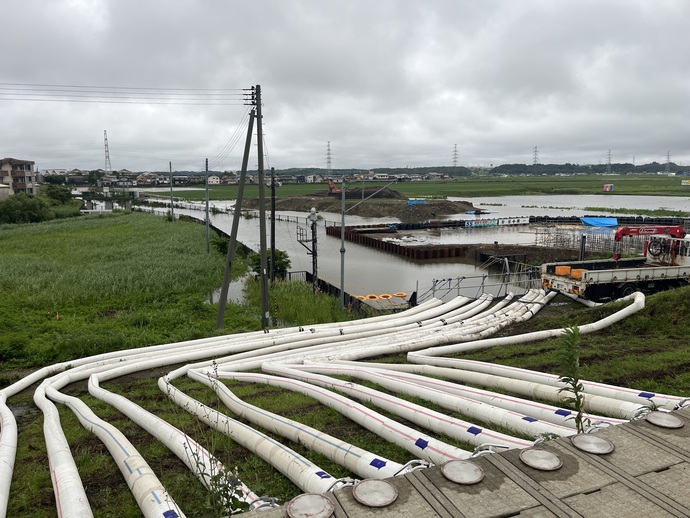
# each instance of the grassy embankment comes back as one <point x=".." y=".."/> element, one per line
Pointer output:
<point x="110" y="280"/>
<point x="84" y="286"/>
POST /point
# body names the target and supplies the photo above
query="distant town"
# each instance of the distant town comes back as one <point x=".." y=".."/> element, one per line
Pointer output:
<point x="22" y="176"/>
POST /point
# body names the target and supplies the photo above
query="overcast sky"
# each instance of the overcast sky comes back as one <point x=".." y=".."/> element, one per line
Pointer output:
<point x="389" y="83"/>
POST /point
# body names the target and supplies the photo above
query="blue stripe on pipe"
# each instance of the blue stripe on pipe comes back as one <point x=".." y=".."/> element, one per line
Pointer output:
<point x="530" y="419"/>
<point x="647" y="395"/>
<point x="378" y="463"/>
<point x="322" y="474"/>
<point x="564" y="413"/>
<point x="421" y="443"/>
<point x="474" y="430"/>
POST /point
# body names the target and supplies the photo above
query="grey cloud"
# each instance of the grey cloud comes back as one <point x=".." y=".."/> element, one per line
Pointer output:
<point x="389" y="83"/>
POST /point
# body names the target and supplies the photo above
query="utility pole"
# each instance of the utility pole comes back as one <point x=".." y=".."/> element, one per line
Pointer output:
<point x="262" y="212"/>
<point x="314" y="257"/>
<point x="342" y="244"/>
<point x="208" y="220"/>
<point x="455" y="156"/>
<point x="222" y="303"/>
<point x="172" y="206"/>
<point x="342" y="235"/>
<point x="273" y="225"/>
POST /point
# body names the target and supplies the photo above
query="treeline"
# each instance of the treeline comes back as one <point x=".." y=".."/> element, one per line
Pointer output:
<point x="391" y="171"/>
<point x="554" y="169"/>
<point x="501" y="170"/>
<point x="54" y="202"/>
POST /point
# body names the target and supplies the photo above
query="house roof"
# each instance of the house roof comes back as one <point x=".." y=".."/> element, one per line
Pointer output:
<point x="14" y="161"/>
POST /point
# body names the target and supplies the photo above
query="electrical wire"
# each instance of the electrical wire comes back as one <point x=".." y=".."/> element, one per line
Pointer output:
<point x="230" y="145"/>
<point x="122" y="94"/>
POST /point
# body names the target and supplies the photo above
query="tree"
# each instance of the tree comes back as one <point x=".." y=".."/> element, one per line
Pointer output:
<point x="54" y="179"/>
<point x="282" y="263"/>
<point x="24" y="208"/>
<point x="58" y="193"/>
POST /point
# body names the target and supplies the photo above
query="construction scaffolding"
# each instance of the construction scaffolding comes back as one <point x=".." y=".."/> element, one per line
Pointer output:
<point x="597" y="239"/>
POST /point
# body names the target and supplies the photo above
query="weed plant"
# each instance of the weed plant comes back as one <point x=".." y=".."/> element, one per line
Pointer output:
<point x="570" y="369"/>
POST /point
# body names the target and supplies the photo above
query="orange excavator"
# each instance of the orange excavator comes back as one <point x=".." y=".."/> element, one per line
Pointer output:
<point x="646" y="230"/>
<point x="332" y="189"/>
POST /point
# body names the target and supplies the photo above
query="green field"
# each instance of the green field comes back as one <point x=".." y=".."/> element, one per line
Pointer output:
<point x="472" y="187"/>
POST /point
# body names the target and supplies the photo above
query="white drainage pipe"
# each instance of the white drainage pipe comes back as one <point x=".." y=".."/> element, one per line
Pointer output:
<point x="209" y="470"/>
<point x="624" y="395"/>
<point x="413" y="374"/>
<point x="521" y="423"/>
<point x="429" y="419"/>
<point x="420" y="445"/>
<point x="360" y="462"/>
<point x="307" y="476"/>
<point x="151" y="496"/>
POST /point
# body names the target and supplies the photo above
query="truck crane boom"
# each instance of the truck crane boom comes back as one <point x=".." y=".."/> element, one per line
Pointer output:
<point x="648" y="230"/>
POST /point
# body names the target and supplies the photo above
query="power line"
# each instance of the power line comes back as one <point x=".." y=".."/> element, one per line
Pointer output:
<point x="230" y="145"/>
<point x="121" y="94"/>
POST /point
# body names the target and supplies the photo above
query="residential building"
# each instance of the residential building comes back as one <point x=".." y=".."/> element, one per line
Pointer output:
<point x="18" y="175"/>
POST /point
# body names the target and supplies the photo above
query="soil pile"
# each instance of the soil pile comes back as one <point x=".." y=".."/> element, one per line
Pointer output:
<point x="384" y="204"/>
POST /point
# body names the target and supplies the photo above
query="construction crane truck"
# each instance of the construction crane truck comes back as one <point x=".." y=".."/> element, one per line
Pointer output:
<point x="664" y="264"/>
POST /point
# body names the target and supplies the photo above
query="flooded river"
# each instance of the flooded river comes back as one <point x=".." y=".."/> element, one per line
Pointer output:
<point x="371" y="271"/>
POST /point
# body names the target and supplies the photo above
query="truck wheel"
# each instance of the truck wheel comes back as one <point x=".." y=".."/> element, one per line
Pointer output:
<point x="654" y="248"/>
<point x="627" y="289"/>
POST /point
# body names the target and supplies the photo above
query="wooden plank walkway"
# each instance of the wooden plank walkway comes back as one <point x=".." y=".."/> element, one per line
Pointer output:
<point x="646" y="475"/>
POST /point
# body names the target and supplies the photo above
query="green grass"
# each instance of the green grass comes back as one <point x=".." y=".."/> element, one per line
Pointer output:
<point x="642" y="212"/>
<point x="647" y="350"/>
<point x="472" y="187"/>
<point x="98" y="283"/>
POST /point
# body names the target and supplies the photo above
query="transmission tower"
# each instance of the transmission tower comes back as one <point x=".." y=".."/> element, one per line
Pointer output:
<point x="329" y="162"/>
<point x="608" y="162"/>
<point x="108" y="167"/>
<point x="455" y="156"/>
<point x="535" y="156"/>
<point x="668" y="162"/>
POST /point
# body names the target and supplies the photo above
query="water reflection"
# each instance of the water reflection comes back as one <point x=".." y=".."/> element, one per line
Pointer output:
<point x="369" y="271"/>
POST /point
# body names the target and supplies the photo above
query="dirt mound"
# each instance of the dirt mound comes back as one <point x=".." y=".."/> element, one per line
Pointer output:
<point x="433" y="209"/>
<point x="386" y="204"/>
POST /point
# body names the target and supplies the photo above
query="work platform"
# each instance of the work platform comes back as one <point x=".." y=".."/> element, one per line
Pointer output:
<point x="646" y="474"/>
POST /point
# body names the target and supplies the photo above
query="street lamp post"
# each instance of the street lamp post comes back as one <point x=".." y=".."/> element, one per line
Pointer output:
<point x="342" y="234"/>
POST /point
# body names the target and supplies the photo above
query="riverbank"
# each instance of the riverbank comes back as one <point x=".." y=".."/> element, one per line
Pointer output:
<point x="385" y="203"/>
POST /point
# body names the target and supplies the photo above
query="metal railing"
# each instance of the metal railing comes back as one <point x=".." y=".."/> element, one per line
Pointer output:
<point x="514" y="277"/>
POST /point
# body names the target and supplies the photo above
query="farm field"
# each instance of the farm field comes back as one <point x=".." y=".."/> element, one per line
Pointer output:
<point x="648" y="185"/>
